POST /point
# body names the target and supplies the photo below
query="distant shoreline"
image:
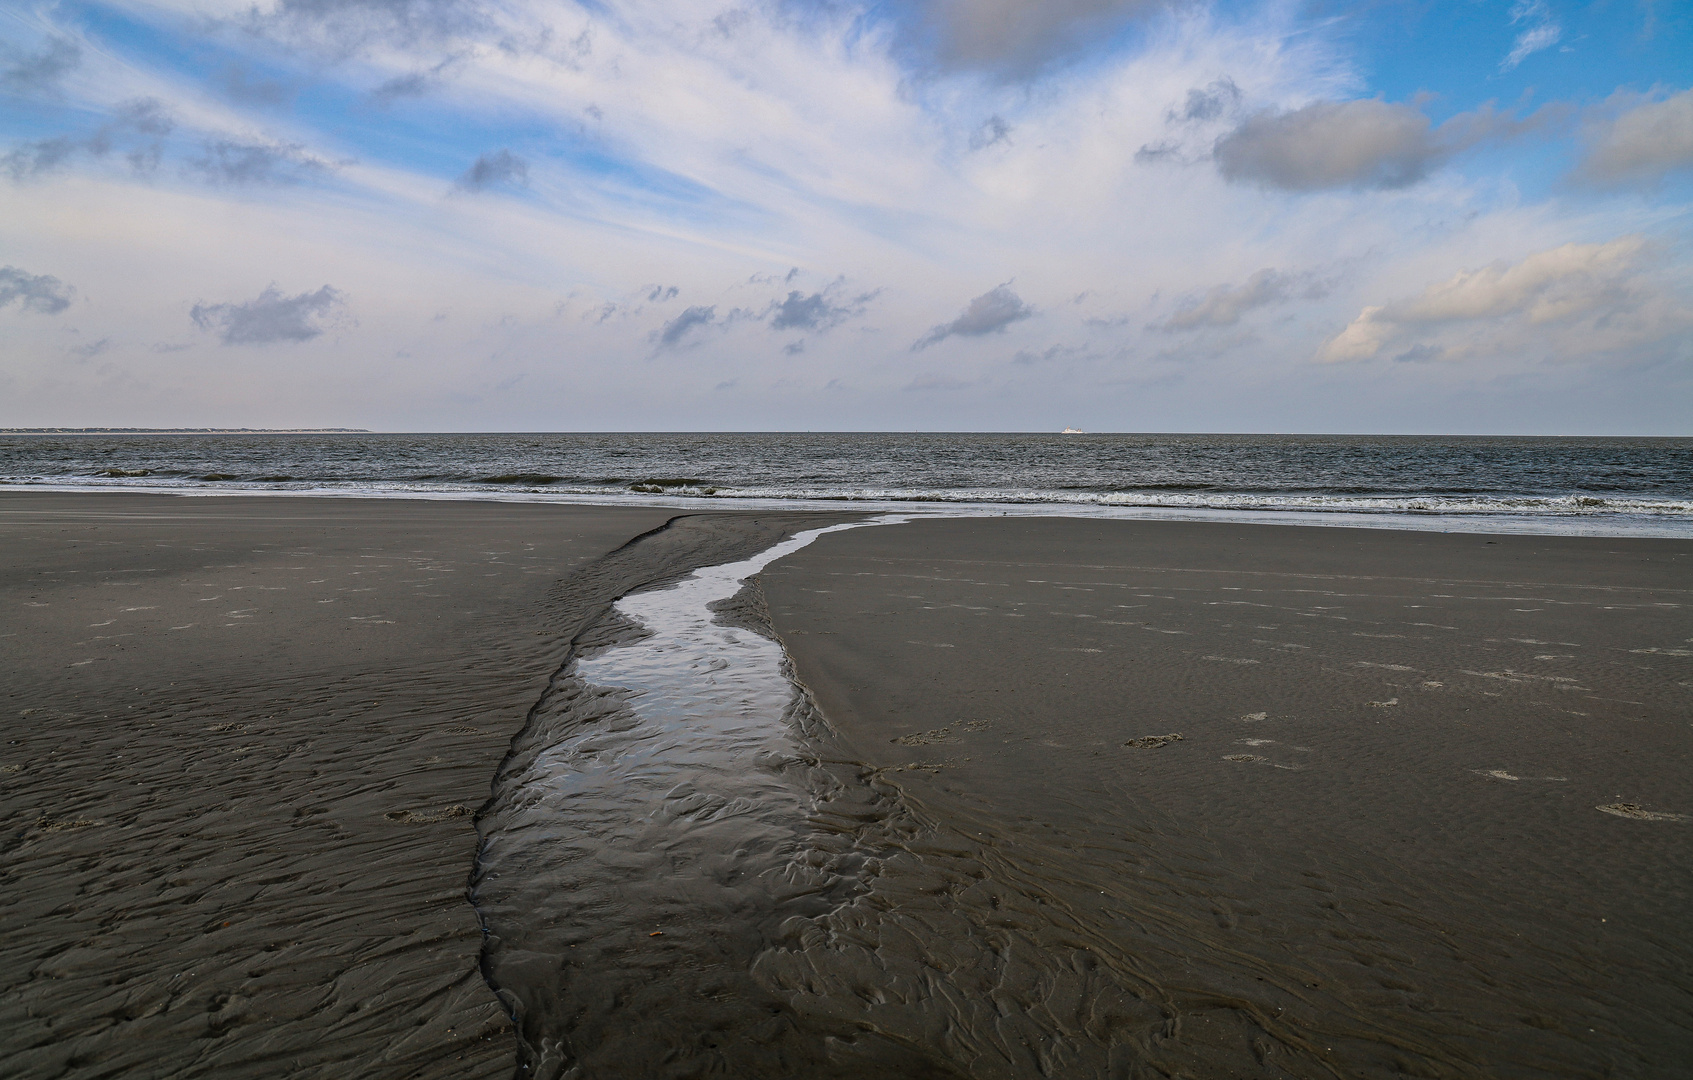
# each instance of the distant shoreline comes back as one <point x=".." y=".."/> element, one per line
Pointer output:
<point x="182" y="431"/>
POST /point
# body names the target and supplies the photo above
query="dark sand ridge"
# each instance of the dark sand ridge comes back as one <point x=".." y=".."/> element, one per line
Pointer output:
<point x="1215" y="800"/>
<point x="244" y="738"/>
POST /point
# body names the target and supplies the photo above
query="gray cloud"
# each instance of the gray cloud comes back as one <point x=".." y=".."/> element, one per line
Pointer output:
<point x="226" y="161"/>
<point x="415" y="84"/>
<point x="34" y="292"/>
<point x="1359" y="144"/>
<point x="658" y="294"/>
<point x="801" y="312"/>
<point x="1052" y="354"/>
<point x="403" y="86"/>
<point x="500" y="167"/>
<point x="23" y="73"/>
<point x="1211" y="102"/>
<point x="92" y="349"/>
<point x="1223" y="305"/>
<point x="1640" y="144"/>
<point x="819" y="311"/>
<point x="1018" y="38"/>
<point x="238" y="85"/>
<point x="936" y="382"/>
<point x="1420" y="354"/>
<point x="1167" y="150"/>
<point x="993" y="130"/>
<point x="42" y="156"/>
<point x="988" y="313"/>
<point x="141" y="124"/>
<point x="677" y="328"/>
<point x="146" y="116"/>
<point x="1204" y="106"/>
<point x="346" y="26"/>
<point x="1331" y="144"/>
<point x="269" y="317"/>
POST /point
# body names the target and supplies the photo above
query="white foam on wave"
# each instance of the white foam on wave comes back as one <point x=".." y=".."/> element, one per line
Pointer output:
<point x="1526" y="515"/>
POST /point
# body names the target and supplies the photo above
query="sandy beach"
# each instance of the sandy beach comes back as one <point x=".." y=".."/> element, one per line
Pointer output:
<point x="1098" y="798"/>
<point x="245" y="739"/>
<point x="1225" y="800"/>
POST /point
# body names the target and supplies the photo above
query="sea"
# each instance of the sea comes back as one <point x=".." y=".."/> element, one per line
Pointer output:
<point x="1595" y="486"/>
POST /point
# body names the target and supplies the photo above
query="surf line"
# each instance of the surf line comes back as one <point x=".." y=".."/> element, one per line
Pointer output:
<point x="640" y="860"/>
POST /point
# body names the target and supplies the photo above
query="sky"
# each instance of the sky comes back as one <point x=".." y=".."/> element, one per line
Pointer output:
<point x="1416" y="216"/>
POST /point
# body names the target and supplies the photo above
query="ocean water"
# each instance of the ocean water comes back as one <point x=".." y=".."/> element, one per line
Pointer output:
<point x="1586" y="485"/>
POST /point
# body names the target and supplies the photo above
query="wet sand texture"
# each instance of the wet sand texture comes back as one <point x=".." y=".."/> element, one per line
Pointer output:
<point x="1210" y="800"/>
<point x="1086" y="799"/>
<point x="243" y="743"/>
<point x="660" y="819"/>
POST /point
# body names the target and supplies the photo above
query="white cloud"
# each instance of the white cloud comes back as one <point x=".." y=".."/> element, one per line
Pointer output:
<point x="1541" y="30"/>
<point x="1594" y="295"/>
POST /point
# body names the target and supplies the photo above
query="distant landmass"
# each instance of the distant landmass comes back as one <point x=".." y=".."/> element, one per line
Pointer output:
<point x="183" y="431"/>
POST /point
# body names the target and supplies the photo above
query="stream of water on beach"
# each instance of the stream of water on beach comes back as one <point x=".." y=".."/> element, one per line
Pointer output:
<point x="651" y="848"/>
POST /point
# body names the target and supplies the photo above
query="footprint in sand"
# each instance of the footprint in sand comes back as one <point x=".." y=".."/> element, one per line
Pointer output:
<point x="1636" y="812"/>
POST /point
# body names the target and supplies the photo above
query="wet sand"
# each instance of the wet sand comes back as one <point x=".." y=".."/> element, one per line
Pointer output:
<point x="245" y="739"/>
<point x="1212" y="800"/>
<point x="1091" y="799"/>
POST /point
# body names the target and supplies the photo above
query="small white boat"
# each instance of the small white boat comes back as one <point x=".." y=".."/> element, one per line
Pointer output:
<point x="1072" y="431"/>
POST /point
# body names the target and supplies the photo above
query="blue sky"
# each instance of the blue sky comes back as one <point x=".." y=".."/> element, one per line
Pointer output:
<point x="1465" y="216"/>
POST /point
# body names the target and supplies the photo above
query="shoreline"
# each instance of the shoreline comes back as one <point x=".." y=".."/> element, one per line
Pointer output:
<point x="1490" y="523"/>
